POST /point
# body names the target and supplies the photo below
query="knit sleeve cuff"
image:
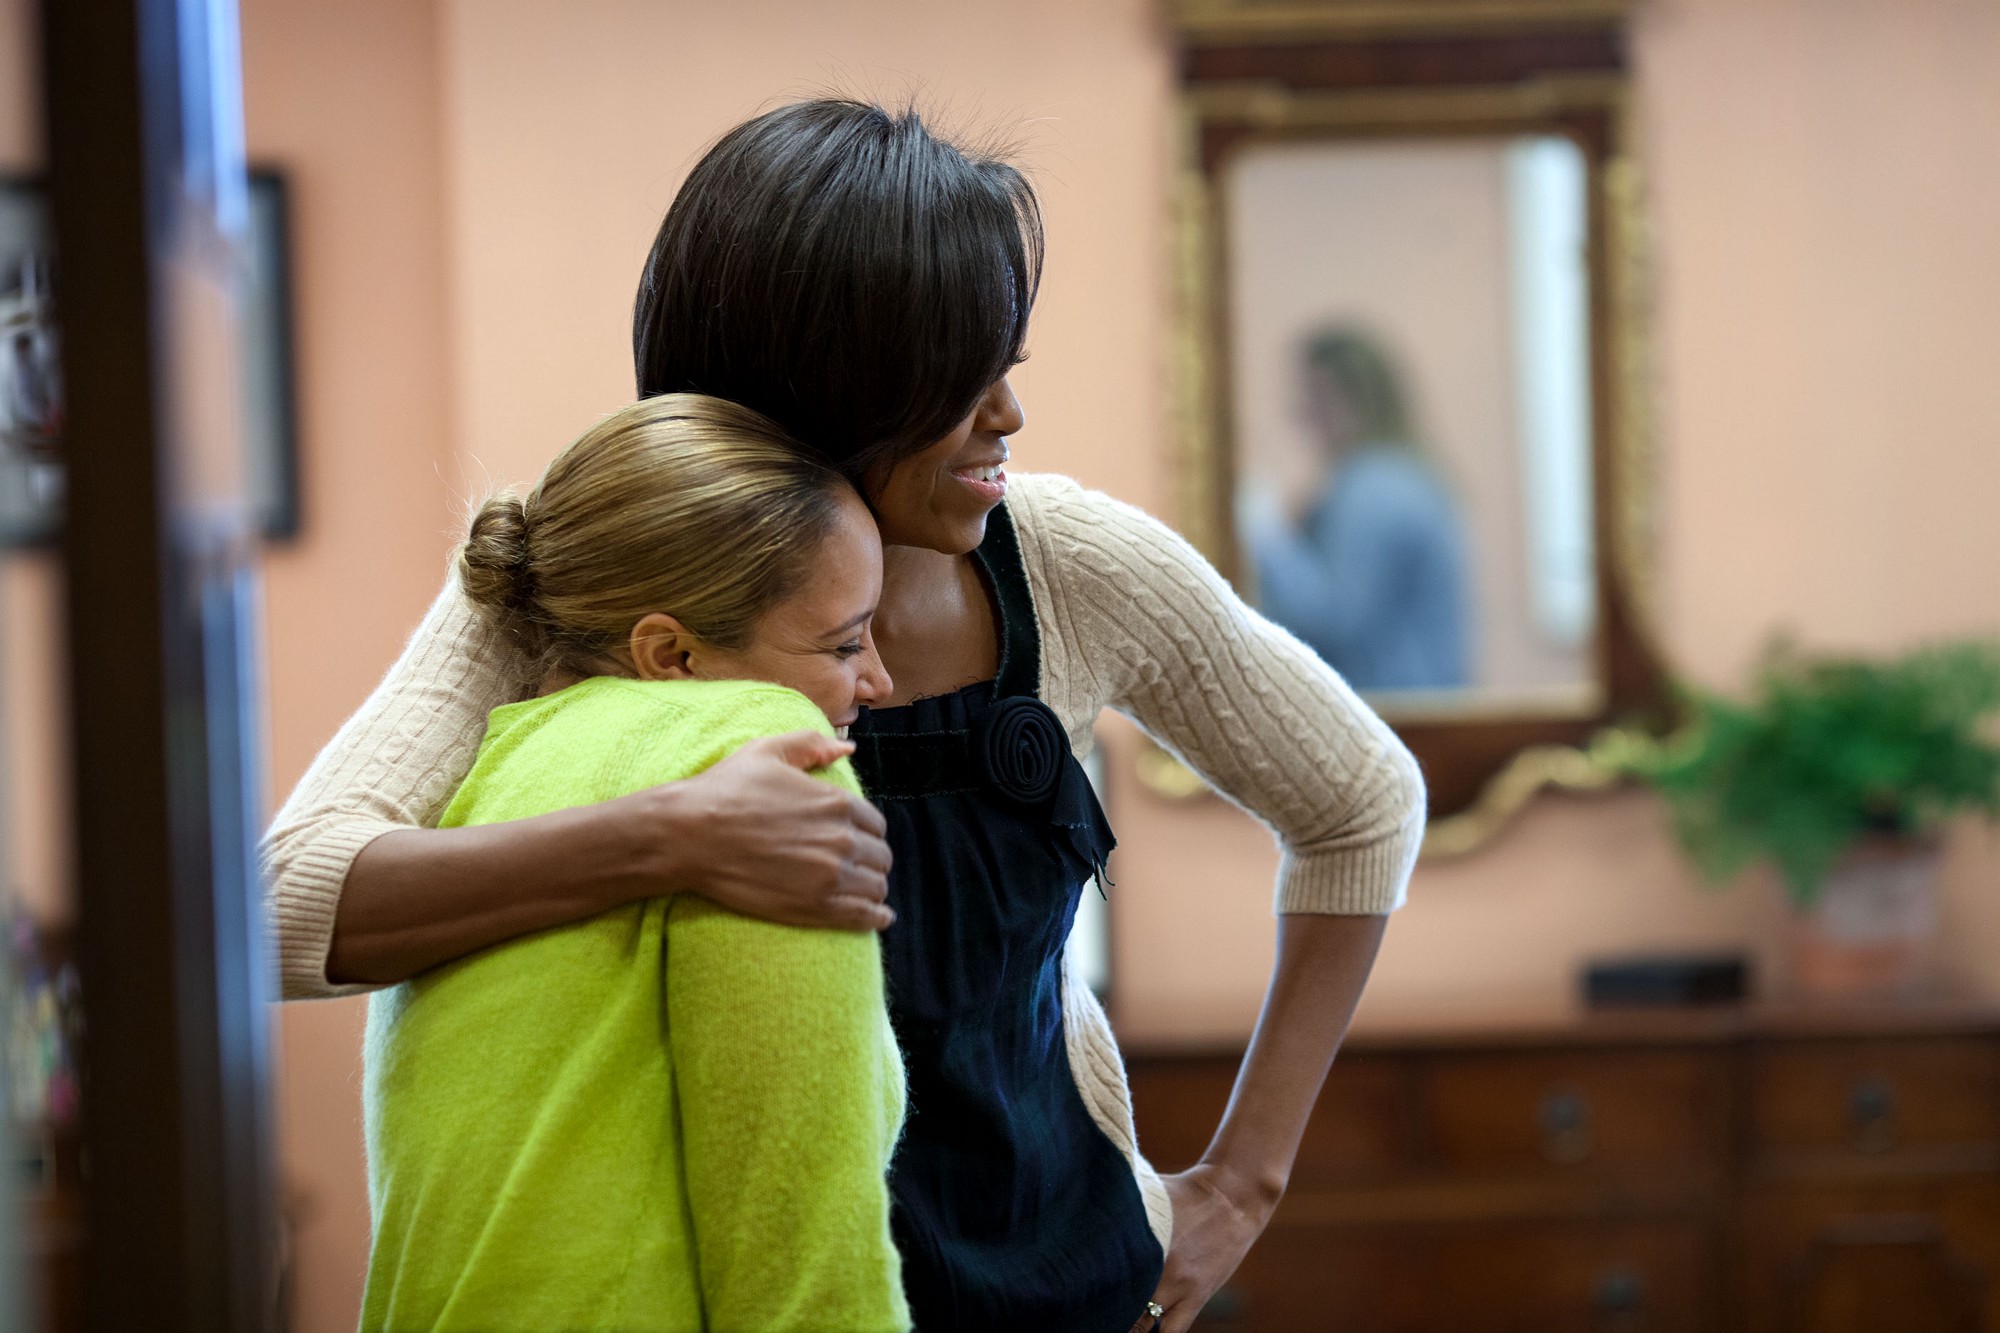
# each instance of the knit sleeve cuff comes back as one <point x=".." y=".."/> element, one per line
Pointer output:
<point x="1365" y="880"/>
<point x="304" y="902"/>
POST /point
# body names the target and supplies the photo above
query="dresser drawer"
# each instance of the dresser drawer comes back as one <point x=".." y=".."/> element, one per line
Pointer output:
<point x="1873" y="1099"/>
<point x="1532" y="1277"/>
<point x="1583" y="1111"/>
<point x="1898" y="1254"/>
<point x="1360" y="1129"/>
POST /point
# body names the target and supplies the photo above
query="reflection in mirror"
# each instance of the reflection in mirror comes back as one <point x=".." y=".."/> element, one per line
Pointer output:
<point x="1411" y="400"/>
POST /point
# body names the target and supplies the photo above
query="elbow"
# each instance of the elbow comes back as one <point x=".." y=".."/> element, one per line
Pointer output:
<point x="1401" y="808"/>
<point x="304" y="866"/>
<point x="1404" y="797"/>
<point x="1390" y="815"/>
<point x="1359" y="864"/>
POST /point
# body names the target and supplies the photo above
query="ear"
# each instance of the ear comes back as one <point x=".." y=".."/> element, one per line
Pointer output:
<point x="662" y="648"/>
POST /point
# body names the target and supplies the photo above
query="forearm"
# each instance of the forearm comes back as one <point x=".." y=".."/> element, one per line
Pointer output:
<point x="1323" y="963"/>
<point x="416" y="898"/>
<point x="754" y="834"/>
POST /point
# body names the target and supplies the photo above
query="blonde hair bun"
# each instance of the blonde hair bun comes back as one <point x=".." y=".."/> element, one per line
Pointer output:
<point x="493" y="565"/>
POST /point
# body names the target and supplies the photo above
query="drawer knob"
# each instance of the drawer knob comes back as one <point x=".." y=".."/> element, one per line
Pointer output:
<point x="1620" y="1297"/>
<point x="1565" y="1121"/>
<point x="1620" y="1291"/>
<point x="1871" y="1115"/>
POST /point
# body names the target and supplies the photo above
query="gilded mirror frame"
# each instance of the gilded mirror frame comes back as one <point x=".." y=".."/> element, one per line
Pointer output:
<point x="1254" y="72"/>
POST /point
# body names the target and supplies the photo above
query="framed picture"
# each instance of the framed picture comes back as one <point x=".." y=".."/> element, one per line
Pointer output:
<point x="269" y="378"/>
<point x="31" y="396"/>
<point x="31" y="390"/>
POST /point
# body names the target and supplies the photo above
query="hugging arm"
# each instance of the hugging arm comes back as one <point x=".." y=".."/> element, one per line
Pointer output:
<point x="1276" y="731"/>
<point x="363" y="892"/>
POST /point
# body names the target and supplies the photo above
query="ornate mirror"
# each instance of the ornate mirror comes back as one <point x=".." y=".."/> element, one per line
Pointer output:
<point x="1413" y="364"/>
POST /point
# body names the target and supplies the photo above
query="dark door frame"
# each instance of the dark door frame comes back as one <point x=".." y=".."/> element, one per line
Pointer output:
<point x="176" y="1125"/>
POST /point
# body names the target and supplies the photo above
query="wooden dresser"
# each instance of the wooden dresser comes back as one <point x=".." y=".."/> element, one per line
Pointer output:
<point x="1735" y="1169"/>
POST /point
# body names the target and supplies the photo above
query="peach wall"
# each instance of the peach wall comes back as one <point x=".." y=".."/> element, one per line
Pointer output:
<point x="35" y="852"/>
<point x="1827" y="203"/>
<point x="20" y="87"/>
<point x="345" y="98"/>
<point x="572" y="126"/>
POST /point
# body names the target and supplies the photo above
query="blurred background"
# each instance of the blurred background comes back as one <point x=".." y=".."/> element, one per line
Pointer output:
<point x="1779" y="414"/>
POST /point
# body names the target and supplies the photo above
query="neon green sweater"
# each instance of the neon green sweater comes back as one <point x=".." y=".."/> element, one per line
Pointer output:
<point x="666" y="1118"/>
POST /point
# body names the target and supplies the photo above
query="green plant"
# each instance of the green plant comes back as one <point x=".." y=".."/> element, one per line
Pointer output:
<point x="1826" y="752"/>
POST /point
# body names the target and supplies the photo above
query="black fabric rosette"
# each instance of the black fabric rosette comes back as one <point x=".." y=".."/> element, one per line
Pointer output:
<point x="1022" y="753"/>
<point x="1021" y="750"/>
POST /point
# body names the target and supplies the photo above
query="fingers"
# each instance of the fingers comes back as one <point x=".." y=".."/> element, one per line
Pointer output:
<point x="851" y="913"/>
<point x="842" y="911"/>
<point x="804" y="749"/>
<point x="856" y="894"/>
<point x="869" y="884"/>
<point x="865" y="879"/>
<point x="1180" y="1312"/>
<point x="810" y="750"/>
<point x="1180" y="1297"/>
<point x="869" y="853"/>
<point x="868" y="819"/>
<point x="837" y="847"/>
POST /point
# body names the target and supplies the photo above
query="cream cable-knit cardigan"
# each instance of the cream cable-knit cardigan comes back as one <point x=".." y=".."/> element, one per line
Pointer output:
<point x="1131" y="618"/>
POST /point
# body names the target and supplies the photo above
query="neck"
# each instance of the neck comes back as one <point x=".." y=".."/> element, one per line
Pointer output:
<point x="913" y="575"/>
<point x="557" y="680"/>
<point x="935" y="627"/>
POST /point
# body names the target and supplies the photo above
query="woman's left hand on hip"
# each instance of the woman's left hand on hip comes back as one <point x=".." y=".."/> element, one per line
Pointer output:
<point x="1214" y="1228"/>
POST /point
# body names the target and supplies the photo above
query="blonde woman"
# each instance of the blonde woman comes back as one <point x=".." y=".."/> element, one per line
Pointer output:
<point x="665" y="1118"/>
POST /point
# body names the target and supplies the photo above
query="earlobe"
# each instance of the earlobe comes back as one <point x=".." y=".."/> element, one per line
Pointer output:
<point x="661" y="648"/>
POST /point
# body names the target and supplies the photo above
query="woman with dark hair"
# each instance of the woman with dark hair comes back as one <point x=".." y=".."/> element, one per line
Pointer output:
<point x="867" y="285"/>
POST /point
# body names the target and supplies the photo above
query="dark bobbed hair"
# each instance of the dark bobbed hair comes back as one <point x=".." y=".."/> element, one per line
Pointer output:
<point x="844" y="271"/>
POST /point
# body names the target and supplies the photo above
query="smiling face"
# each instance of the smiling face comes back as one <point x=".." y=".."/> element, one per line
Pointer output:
<point x="817" y="641"/>
<point x="939" y="497"/>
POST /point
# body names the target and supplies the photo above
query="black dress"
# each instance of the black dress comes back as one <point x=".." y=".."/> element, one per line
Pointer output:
<point x="1012" y="1210"/>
